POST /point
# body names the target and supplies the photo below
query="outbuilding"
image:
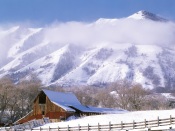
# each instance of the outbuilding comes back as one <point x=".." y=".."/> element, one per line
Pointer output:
<point x="59" y="106"/>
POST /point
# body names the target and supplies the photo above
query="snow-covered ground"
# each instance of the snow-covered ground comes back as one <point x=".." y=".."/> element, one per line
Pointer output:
<point x="125" y="117"/>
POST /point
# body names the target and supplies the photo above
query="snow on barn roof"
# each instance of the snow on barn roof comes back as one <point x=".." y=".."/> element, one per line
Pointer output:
<point x="107" y="110"/>
<point x="69" y="102"/>
<point x="62" y="99"/>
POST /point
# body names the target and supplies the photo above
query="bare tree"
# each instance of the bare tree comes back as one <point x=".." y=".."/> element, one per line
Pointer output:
<point x="121" y="88"/>
<point x="137" y="97"/>
<point x="128" y="96"/>
<point x="13" y="106"/>
<point x="27" y="91"/>
<point x="85" y="94"/>
<point x="155" y="101"/>
<point x="6" y="87"/>
<point x="105" y="98"/>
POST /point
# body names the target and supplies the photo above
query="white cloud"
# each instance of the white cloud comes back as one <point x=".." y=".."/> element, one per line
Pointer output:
<point x="118" y="31"/>
<point x="102" y="31"/>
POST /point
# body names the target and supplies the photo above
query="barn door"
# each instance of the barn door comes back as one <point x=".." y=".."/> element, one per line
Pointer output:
<point x="42" y="107"/>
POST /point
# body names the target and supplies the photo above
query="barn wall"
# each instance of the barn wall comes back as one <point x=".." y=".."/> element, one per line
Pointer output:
<point x="29" y="117"/>
<point x="54" y="112"/>
<point x="36" y="107"/>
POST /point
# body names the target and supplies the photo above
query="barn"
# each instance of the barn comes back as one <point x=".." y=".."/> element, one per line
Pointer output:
<point x="59" y="106"/>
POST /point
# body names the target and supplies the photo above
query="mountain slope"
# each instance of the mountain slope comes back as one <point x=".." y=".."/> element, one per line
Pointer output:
<point x="33" y="50"/>
<point x="147" y="15"/>
<point x="104" y="65"/>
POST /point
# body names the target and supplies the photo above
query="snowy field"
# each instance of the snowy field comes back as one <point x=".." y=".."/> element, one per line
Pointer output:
<point x="125" y="117"/>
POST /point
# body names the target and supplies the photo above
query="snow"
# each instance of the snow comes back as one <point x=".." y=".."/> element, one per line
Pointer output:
<point x="52" y="59"/>
<point x="86" y="68"/>
<point x="117" y="65"/>
<point x="16" y="47"/>
<point x="69" y="102"/>
<point x="168" y="95"/>
<point x="139" y="15"/>
<point x="143" y="15"/>
<point x="18" y="58"/>
<point x="104" y="21"/>
<point x="60" y="97"/>
<point x="4" y="33"/>
<point x="150" y="50"/>
<point x="109" y="72"/>
<point x="77" y="74"/>
<point x="125" y="117"/>
<point x="88" y="60"/>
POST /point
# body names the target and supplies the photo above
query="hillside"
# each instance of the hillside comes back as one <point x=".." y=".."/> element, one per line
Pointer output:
<point x="94" y="53"/>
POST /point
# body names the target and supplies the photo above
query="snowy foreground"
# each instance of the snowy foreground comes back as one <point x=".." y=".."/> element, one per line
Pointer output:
<point x="125" y="117"/>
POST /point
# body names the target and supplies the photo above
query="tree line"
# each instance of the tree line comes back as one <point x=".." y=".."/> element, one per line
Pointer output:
<point x="121" y="94"/>
<point x="16" y="99"/>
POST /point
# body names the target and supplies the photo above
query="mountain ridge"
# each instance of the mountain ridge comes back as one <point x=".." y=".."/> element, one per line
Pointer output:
<point x="67" y="64"/>
<point x="147" y="15"/>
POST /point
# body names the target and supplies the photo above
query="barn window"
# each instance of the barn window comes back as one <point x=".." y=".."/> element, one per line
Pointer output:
<point x="43" y="112"/>
<point x="42" y="98"/>
<point x="42" y="103"/>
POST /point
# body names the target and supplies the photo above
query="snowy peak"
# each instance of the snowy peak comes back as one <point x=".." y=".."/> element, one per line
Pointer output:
<point x="104" y="21"/>
<point x="95" y="53"/>
<point x="140" y="15"/>
<point x="147" y="15"/>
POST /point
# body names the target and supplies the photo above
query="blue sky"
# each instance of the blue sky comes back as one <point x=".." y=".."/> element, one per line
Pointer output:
<point x="48" y="11"/>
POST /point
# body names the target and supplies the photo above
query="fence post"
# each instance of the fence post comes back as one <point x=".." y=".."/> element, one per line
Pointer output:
<point x="121" y="124"/>
<point x="170" y="120"/>
<point x="67" y="127"/>
<point x="98" y="127"/>
<point x="145" y="123"/>
<point x="78" y="127"/>
<point x="88" y="127"/>
<point x="58" y="128"/>
<point x="158" y="121"/>
<point x="109" y="126"/>
<point x="133" y="124"/>
<point x="40" y="129"/>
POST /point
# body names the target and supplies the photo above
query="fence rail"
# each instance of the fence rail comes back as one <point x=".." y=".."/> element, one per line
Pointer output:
<point x="120" y="126"/>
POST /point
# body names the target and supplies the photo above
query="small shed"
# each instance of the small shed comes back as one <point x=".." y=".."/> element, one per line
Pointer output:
<point x="59" y="106"/>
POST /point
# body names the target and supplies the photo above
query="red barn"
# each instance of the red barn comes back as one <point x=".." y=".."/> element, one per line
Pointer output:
<point x="58" y="105"/>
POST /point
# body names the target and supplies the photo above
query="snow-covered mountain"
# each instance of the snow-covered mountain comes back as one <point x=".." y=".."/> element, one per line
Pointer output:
<point x="29" y="50"/>
<point x="147" y="15"/>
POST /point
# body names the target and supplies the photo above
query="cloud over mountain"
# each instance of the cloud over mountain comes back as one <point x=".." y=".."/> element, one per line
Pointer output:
<point x="140" y="48"/>
<point x="125" y="30"/>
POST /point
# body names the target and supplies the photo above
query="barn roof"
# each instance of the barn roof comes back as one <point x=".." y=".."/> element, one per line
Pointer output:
<point x="62" y="99"/>
<point x="69" y="102"/>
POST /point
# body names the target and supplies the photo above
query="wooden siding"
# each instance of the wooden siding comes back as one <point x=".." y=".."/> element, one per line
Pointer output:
<point x="29" y="117"/>
<point x="43" y="107"/>
<point x="50" y="110"/>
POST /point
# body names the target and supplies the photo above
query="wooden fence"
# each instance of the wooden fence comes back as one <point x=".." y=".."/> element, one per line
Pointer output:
<point x="108" y="127"/>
